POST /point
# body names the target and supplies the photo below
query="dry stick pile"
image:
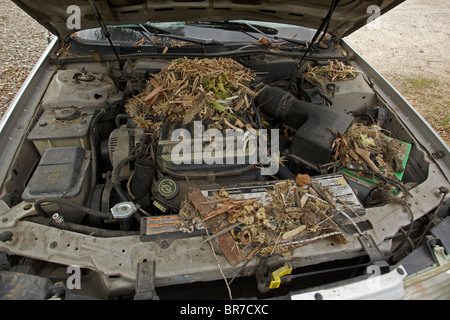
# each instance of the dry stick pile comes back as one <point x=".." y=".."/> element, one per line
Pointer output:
<point x="334" y="71"/>
<point x="294" y="216"/>
<point x="187" y="90"/>
<point x="371" y="145"/>
<point x="368" y="153"/>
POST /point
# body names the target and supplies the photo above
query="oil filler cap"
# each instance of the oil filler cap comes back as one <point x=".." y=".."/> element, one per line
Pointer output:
<point x="167" y="188"/>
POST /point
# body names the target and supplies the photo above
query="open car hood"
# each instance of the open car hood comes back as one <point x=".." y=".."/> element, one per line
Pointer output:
<point x="348" y="16"/>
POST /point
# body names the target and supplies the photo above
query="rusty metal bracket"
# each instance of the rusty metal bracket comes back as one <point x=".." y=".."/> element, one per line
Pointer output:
<point x="371" y="248"/>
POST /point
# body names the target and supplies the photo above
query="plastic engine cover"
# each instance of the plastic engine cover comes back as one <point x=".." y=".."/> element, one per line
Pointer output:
<point x="195" y="165"/>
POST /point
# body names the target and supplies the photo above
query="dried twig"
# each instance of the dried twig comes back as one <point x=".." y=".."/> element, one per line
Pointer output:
<point x="218" y="265"/>
<point x="223" y="231"/>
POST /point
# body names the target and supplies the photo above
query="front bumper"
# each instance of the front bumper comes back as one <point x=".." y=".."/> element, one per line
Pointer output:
<point x="389" y="286"/>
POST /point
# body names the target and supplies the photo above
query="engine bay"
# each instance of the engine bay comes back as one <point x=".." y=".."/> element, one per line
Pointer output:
<point x="197" y="122"/>
<point x="263" y="155"/>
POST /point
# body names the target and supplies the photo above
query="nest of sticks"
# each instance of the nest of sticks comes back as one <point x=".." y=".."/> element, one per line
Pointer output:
<point x="195" y="89"/>
<point x="293" y="216"/>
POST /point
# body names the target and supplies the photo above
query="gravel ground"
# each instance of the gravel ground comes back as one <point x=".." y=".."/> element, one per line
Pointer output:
<point x="412" y="40"/>
<point x="22" y="41"/>
<point x="410" y="49"/>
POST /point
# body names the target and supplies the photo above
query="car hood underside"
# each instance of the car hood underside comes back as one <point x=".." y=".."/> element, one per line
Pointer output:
<point x="59" y="16"/>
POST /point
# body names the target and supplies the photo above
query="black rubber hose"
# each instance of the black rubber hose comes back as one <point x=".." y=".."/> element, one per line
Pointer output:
<point x="94" y="154"/>
<point x="258" y="116"/>
<point x="142" y="178"/>
<point x="97" y="232"/>
<point x="285" y="173"/>
<point x="38" y="206"/>
<point x="407" y="236"/>
<point x="119" y="117"/>
<point x="115" y="176"/>
<point x="274" y="101"/>
<point x="116" y="171"/>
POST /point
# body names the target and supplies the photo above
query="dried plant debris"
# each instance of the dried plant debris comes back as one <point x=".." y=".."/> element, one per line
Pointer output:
<point x="289" y="217"/>
<point x="370" y="144"/>
<point x="367" y="152"/>
<point x="189" y="217"/>
<point x="333" y="71"/>
<point x="194" y="89"/>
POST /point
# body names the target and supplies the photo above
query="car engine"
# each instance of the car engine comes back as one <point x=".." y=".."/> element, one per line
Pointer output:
<point x="97" y="151"/>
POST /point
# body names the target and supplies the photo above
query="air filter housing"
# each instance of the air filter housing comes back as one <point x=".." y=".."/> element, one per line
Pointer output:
<point x="313" y="139"/>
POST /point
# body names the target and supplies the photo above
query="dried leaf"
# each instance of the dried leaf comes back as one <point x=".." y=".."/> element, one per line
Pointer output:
<point x="293" y="232"/>
<point x="302" y="180"/>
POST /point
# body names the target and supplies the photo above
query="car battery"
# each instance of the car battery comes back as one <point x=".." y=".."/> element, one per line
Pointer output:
<point x="335" y="183"/>
<point x="61" y="173"/>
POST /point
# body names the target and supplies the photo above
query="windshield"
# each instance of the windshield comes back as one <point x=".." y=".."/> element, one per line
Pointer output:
<point x="238" y="30"/>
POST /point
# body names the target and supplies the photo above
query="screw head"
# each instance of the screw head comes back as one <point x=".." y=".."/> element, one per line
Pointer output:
<point x="444" y="190"/>
<point x="145" y="270"/>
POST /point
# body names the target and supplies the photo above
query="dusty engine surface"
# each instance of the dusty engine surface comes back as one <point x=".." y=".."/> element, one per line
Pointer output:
<point x="188" y="157"/>
<point x="186" y="163"/>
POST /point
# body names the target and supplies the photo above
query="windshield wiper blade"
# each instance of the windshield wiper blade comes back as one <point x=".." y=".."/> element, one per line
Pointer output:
<point x="182" y="38"/>
<point x="299" y="42"/>
<point x="224" y="25"/>
<point x="246" y="27"/>
<point x="233" y="25"/>
<point x="189" y="39"/>
<point x="256" y="28"/>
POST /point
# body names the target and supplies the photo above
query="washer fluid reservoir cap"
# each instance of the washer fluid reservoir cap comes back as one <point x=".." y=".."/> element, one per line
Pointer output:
<point x="67" y="114"/>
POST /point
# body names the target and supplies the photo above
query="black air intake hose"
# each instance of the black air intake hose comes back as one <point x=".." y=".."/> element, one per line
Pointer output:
<point x="313" y="140"/>
<point x="142" y="178"/>
<point x="274" y="100"/>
